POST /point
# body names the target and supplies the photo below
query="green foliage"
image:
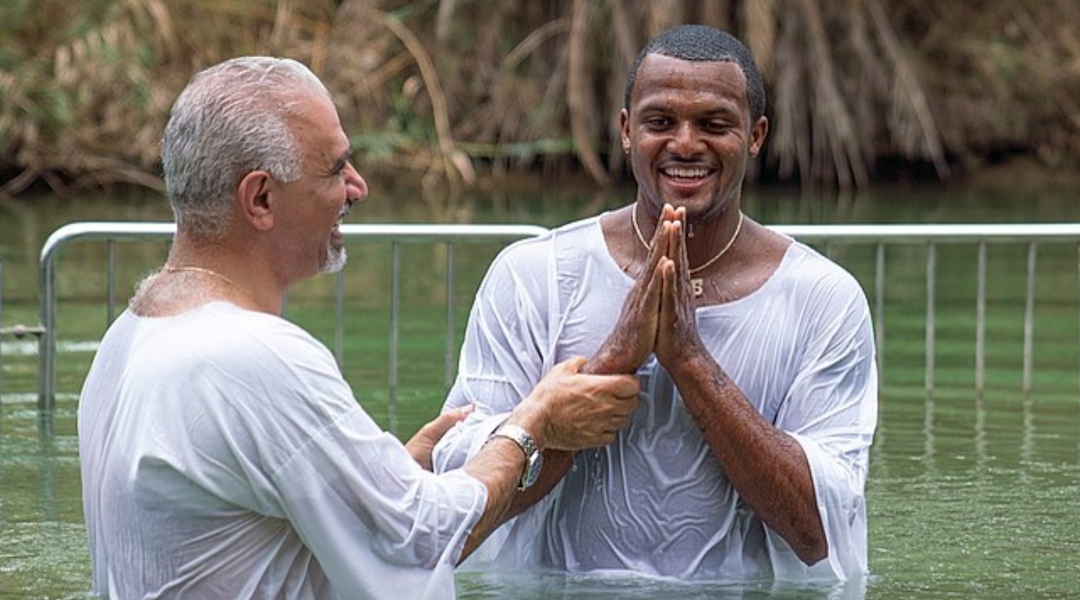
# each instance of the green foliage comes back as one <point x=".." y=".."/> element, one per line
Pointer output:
<point x="87" y="85"/>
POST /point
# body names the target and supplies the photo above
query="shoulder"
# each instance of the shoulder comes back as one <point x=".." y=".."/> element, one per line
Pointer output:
<point x="535" y="259"/>
<point x="541" y="247"/>
<point x="284" y="382"/>
<point x="819" y="282"/>
<point x="254" y="346"/>
<point x="806" y="264"/>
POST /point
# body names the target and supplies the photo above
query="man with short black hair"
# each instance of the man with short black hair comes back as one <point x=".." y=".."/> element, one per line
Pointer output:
<point x="749" y="454"/>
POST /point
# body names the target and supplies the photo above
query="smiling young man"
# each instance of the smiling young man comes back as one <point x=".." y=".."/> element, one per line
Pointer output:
<point x="223" y="454"/>
<point x="748" y="456"/>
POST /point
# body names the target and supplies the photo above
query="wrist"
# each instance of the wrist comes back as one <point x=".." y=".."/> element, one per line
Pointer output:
<point x="534" y="459"/>
<point x="608" y="362"/>
<point x="529" y="417"/>
<point x="690" y="363"/>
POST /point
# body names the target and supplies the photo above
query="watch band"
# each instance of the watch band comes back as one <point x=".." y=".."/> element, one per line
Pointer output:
<point x="533" y="458"/>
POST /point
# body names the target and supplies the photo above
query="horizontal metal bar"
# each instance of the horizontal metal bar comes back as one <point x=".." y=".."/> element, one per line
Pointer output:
<point x="898" y="233"/>
<point x="427" y="233"/>
<point x="919" y="233"/>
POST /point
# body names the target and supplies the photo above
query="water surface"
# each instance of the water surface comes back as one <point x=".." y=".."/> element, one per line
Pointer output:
<point x="969" y="497"/>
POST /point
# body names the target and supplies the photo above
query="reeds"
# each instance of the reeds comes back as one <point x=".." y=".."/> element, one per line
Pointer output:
<point x="453" y="90"/>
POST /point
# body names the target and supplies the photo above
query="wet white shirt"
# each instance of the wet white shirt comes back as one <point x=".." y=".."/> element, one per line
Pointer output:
<point x="223" y="456"/>
<point x="656" y="501"/>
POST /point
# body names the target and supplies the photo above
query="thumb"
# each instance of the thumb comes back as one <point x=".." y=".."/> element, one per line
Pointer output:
<point x="442" y="423"/>
<point x="574" y="364"/>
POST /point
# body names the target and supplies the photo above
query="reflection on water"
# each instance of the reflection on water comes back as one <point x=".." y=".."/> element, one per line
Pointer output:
<point x="976" y="498"/>
<point x="616" y="586"/>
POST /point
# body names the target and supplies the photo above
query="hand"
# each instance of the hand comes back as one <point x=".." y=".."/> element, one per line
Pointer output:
<point x="634" y="335"/>
<point x="421" y="444"/>
<point x="569" y="410"/>
<point x="677" y="334"/>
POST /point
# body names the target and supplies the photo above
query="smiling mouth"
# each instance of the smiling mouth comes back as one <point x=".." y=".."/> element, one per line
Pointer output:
<point x="344" y="213"/>
<point x="685" y="173"/>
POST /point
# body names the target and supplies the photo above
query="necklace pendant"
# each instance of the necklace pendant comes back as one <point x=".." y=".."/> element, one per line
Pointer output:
<point x="698" y="285"/>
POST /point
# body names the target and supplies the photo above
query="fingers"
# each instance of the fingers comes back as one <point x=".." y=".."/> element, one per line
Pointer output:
<point x="583" y="410"/>
<point x="571" y="365"/>
<point x="437" y="427"/>
<point x="420" y="444"/>
<point x="622" y="386"/>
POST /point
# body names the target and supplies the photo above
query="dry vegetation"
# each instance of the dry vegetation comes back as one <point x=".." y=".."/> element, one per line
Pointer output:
<point x="456" y="89"/>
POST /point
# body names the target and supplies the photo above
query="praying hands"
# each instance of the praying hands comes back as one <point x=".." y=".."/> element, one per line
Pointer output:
<point x="658" y="314"/>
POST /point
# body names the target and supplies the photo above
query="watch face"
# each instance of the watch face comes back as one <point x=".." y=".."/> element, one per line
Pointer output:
<point x="532" y="471"/>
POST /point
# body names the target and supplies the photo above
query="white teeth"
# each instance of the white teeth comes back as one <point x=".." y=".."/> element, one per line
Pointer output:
<point x="686" y="173"/>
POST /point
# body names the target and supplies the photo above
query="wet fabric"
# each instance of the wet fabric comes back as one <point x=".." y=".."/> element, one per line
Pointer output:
<point x="223" y="456"/>
<point x="656" y="501"/>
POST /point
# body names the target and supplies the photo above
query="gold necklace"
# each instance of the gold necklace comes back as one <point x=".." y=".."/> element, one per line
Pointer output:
<point x="193" y="269"/>
<point x="698" y="283"/>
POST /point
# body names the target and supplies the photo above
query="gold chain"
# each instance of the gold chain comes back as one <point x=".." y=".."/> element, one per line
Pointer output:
<point x="708" y="263"/>
<point x="204" y="271"/>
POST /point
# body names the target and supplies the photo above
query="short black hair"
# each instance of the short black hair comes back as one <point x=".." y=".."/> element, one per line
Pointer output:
<point x="702" y="43"/>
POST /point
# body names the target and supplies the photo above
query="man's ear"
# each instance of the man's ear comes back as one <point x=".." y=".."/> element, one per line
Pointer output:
<point x="624" y="130"/>
<point x="758" y="133"/>
<point x="254" y="200"/>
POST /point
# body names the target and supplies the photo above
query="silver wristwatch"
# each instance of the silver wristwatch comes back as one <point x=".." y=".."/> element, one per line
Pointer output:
<point x="534" y="460"/>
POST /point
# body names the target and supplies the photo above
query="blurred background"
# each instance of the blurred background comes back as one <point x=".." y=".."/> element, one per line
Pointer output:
<point x="462" y="92"/>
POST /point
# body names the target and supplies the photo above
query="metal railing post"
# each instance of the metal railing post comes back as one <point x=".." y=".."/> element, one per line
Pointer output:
<point x="395" y="316"/>
<point x="879" y="309"/>
<point x="980" y="322"/>
<point x="1" y="333"/>
<point x="47" y="341"/>
<point x="931" y="270"/>
<point x="448" y="348"/>
<point x="110" y="312"/>
<point x="1029" y="317"/>
<point x="339" y="318"/>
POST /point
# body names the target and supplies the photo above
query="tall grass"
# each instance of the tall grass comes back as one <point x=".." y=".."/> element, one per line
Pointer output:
<point x="452" y="91"/>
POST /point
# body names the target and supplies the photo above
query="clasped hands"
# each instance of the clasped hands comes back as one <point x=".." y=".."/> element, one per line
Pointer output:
<point x="582" y="404"/>
<point x="658" y="314"/>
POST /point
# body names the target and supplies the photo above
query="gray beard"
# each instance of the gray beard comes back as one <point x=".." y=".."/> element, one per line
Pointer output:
<point x="335" y="259"/>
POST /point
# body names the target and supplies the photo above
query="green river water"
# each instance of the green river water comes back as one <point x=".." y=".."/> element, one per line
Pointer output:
<point x="970" y="496"/>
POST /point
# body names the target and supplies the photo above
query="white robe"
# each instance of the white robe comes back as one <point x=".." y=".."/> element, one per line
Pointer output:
<point x="223" y="456"/>
<point x="656" y="501"/>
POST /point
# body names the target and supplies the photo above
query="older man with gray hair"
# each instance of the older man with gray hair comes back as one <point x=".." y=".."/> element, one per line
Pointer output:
<point x="223" y="453"/>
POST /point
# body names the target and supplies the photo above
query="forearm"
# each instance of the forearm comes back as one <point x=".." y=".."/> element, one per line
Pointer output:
<point x="498" y="466"/>
<point x="556" y="464"/>
<point x="765" y="465"/>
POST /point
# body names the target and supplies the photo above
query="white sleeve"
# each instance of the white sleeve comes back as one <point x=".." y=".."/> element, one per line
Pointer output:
<point x="504" y="351"/>
<point x="831" y="410"/>
<point x="377" y="522"/>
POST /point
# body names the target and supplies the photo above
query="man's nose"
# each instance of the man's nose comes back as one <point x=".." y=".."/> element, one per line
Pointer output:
<point x="355" y="184"/>
<point x="685" y="140"/>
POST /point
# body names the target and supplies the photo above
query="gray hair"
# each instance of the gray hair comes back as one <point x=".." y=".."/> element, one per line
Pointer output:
<point x="232" y="119"/>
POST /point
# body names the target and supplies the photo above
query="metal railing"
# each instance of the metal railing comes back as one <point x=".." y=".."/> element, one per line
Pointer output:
<point x="880" y="236"/>
<point x="396" y="234"/>
<point x="932" y="236"/>
<point x="2" y="332"/>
